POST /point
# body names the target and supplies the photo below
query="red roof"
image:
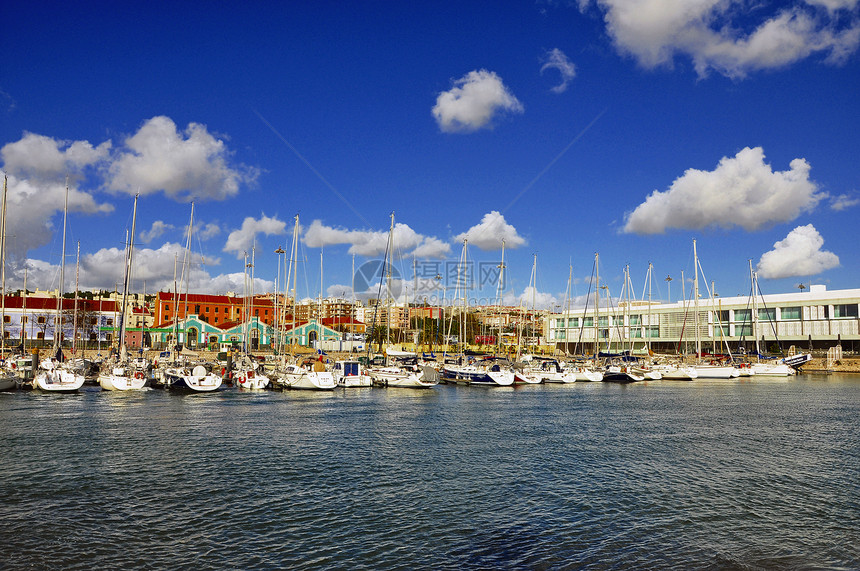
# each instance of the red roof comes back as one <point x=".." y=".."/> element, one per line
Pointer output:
<point x="50" y="303"/>
<point x="196" y="298"/>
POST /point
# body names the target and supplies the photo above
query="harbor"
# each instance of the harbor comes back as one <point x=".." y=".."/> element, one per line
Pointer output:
<point x="744" y="474"/>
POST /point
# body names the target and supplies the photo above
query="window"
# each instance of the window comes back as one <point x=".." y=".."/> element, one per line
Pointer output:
<point x="216" y="310"/>
<point x="767" y="314"/>
<point x="24" y="319"/>
<point x="636" y="332"/>
<point x="559" y="334"/>
<point x="603" y="321"/>
<point x="743" y="315"/>
<point x="207" y="310"/>
<point x="109" y="322"/>
<point x="744" y="330"/>
<point x="635" y="320"/>
<point x="559" y="322"/>
<point x="652" y="331"/>
<point x="848" y="310"/>
<point x="40" y="319"/>
<point x="7" y="319"/>
<point x="166" y="307"/>
<point x="573" y="322"/>
<point x="723" y="316"/>
<point x="588" y="322"/>
<point x="604" y="334"/>
<point x="790" y="313"/>
<point x="40" y="335"/>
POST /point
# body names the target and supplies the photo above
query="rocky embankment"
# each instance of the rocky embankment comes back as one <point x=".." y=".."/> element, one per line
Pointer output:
<point x="840" y="366"/>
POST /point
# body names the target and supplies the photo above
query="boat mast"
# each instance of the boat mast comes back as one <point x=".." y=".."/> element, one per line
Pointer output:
<point x="696" y="303"/>
<point x="3" y="271"/>
<point x="58" y="319"/>
<point x="75" y="307"/>
<point x="648" y="329"/>
<point x="126" y="279"/>
<point x="501" y="282"/>
<point x="24" y="314"/>
<point x="186" y="273"/>
<point x="754" y="316"/>
<point x="388" y="280"/>
<point x="294" y="256"/>
<point x="596" y="305"/>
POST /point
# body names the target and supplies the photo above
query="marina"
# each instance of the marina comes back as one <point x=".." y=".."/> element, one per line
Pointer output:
<point x="741" y="474"/>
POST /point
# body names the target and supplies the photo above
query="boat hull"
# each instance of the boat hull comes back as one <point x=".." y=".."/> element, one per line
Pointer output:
<point x="121" y="382"/>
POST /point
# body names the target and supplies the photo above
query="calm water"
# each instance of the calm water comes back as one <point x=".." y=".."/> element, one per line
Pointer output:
<point x="723" y="475"/>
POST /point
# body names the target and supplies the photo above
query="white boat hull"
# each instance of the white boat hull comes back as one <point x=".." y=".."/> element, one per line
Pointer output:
<point x="197" y="380"/>
<point x="397" y="377"/>
<point x="295" y="377"/>
<point x="58" y="381"/>
<point x="118" y="380"/>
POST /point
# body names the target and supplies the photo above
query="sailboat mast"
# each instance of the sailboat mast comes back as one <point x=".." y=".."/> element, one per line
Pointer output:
<point x="186" y="270"/>
<point x="75" y="307"/>
<point x="696" y="303"/>
<point x="127" y="277"/>
<point x="3" y="270"/>
<point x="58" y="320"/>
<point x="388" y="280"/>
<point x="294" y="256"/>
<point x="596" y="304"/>
<point x="501" y="282"/>
<point x="648" y="329"/>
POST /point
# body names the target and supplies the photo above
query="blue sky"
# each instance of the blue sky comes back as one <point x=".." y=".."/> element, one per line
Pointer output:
<point x="567" y="129"/>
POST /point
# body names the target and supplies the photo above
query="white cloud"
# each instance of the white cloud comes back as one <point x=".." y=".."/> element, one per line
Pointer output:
<point x="742" y="191"/>
<point x="713" y="33"/>
<point x="208" y="230"/>
<point x="371" y="243"/>
<point x="473" y="102"/>
<point x="489" y="233"/>
<point x="241" y="240"/>
<point x="185" y="166"/>
<point x="799" y="254"/>
<point x="43" y="158"/>
<point x="843" y="201"/>
<point x="556" y="59"/>
<point x="158" y="228"/>
<point x="31" y="207"/>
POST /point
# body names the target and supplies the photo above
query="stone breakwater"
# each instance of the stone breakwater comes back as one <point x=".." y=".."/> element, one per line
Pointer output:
<point x="844" y="365"/>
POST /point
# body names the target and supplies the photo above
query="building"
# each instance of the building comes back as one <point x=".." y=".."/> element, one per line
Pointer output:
<point x="213" y="309"/>
<point x="813" y="320"/>
<point x="32" y="321"/>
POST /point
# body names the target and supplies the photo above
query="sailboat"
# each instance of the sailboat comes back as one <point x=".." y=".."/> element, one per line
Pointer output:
<point x="8" y="379"/>
<point x="188" y="377"/>
<point x="491" y="375"/>
<point x="120" y="375"/>
<point x="305" y="375"/>
<point x="53" y="375"/>
<point x="706" y="370"/>
<point x="400" y="368"/>
<point x="248" y="373"/>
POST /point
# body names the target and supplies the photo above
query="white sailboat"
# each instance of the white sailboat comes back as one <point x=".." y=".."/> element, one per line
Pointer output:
<point x="706" y="370"/>
<point x="247" y="371"/>
<point x="9" y="378"/>
<point x="53" y="376"/>
<point x="188" y="377"/>
<point x="350" y="373"/>
<point x="120" y="375"/>
<point x="314" y="377"/>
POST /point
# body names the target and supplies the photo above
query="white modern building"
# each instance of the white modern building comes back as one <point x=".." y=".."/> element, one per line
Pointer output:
<point x="813" y="319"/>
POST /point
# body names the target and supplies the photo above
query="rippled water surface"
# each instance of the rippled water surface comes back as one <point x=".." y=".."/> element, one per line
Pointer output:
<point x="761" y="474"/>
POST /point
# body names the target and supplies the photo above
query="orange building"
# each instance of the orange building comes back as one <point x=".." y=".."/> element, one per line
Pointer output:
<point x="214" y="309"/>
